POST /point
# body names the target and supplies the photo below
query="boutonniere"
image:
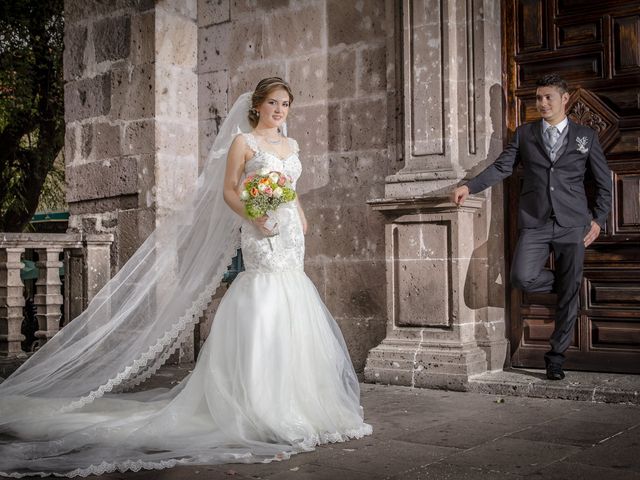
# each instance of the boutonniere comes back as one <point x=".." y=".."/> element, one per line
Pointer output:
<point x="581" y="143"/>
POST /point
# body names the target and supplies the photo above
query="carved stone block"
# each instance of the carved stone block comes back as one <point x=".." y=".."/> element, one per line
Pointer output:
<point x="111" y="38"/>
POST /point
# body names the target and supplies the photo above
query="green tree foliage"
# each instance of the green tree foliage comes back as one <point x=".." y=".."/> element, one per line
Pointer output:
<point x="31" y="104"/>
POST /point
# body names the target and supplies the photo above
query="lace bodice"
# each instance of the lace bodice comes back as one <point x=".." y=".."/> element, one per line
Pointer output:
<point x="284" y="251"/>
<point x="290" y="166"/>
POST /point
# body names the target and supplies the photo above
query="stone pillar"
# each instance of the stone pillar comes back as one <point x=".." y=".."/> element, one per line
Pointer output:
<point x="445" y="301"/>
<point x="87" y="270"/>
<point x="131" y="113"/>
<point x="11" y="302"/>
<point x="48" y="298"/>
<point x="431" y="339"/>
<point x="96" y="263"/>
<point x="132" y="119"/>
<point x="74" y="281"/>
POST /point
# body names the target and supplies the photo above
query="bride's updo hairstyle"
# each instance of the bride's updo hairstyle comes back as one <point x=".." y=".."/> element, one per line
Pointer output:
<point x="262" y="91"/>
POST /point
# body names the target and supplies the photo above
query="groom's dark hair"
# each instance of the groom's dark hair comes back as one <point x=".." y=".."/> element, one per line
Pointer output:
<point x="553" y="80"/>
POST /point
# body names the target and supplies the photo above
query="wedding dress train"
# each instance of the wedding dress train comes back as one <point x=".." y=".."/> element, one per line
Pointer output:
<point x="273" y="378"/>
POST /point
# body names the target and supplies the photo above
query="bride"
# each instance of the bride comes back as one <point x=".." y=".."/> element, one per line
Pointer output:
<point x="274" y="377"/>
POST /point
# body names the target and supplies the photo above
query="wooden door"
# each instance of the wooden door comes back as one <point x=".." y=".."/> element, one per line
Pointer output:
<point x="595" y="46"/>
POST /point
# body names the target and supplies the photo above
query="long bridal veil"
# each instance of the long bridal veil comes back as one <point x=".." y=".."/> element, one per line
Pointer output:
<point x="146" y="310"/>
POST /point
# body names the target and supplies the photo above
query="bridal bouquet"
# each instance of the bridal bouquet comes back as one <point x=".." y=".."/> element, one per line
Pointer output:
<point x="265" y="191"/>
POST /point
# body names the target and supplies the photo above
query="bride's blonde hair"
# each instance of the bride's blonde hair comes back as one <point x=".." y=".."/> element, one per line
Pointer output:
<point x="262" y="91"/>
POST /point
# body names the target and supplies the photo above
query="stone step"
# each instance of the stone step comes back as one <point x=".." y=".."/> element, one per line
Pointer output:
<point x="583" y="386"/>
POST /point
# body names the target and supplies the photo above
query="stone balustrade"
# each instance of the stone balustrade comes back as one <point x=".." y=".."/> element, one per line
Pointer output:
<point x="86" y="258"/>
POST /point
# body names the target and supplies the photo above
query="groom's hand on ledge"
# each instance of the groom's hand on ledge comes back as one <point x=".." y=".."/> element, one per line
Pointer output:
<point x="592" y="235"/>
<point x="460" y="194"/>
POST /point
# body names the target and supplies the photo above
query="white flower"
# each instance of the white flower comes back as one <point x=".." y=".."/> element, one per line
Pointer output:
<point x="244" y="195"/>
<point x="263" y="171"/>
<point x="581" y="143"/>
<point x="274" y="177"/>
<point x="262" y="187"/>
<point x="277" y="192"/>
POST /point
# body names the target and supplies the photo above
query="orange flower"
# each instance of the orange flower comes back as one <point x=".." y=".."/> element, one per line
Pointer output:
<point x="264" y="180"/>
<point x="254" y="192"/>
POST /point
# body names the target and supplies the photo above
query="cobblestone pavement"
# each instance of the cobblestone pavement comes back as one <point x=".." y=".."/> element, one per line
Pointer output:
<point x="433" y="434"/>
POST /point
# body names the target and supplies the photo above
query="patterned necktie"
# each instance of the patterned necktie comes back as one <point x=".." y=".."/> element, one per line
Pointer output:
<point x="551" y="136"/>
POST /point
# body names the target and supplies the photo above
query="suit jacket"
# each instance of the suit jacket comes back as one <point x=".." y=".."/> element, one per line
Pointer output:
<point x="556" y="187"/>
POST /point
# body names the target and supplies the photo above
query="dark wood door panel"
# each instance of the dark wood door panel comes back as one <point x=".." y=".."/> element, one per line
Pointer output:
<point x="531" y="32"/>
<point x="579" y="34"/>
<point x="596" y="47"/>
<point x="602" y="7"/>
<point x="626" y="45"/>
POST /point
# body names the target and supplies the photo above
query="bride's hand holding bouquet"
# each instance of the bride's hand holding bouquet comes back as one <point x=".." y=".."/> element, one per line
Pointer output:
<point x="262" y="193"/>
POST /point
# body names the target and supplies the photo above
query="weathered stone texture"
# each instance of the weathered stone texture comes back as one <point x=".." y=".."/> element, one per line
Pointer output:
<point x="308" y="78"/>
<point x="143" y="38"/>
<point x="179" y="8"/>
<point x="423" y="258"/>
<point x="112" y="38"/>
<point x="230" y="45"/>
<point x="100" y="141"/>
<point x="175" y="139"/>
<point x="146" y="181"/>
<point x="355" y="22"/>
<point x="213" y="89"/>
<point x="372" y="71"/>
<point x="118" y="176"/>
<point x="213" y="47"/>
<point x="207" y="131"/>
<point x="133" y="227"/>
<point x="309" y="126"/>
<point x="175" y="178"/>
<point x="75" y="41"/>
<point x="213" y="11"/>
<point x="86" y="98"/>
<point x="364" y="124"/>
<point x="295" y="32"/>
<point x="255" y="7"/>
<point x="133" y="92"/>
<point x="139" y="137"/>
<point x="99" y="206"/>
<point x="77" y="10"/>
<point x="341" y="74"/>
<point x="71" y="139"/>
<point x="175" y="40"/>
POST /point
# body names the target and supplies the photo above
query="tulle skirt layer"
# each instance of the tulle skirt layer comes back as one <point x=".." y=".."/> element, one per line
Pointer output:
<point x="274" y="378"/>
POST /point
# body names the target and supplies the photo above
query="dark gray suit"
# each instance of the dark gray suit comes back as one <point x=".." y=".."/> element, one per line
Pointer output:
<point x="553" y="215"/>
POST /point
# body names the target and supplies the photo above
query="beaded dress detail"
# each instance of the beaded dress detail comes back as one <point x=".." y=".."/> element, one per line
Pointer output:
<point x="284" y="251"/>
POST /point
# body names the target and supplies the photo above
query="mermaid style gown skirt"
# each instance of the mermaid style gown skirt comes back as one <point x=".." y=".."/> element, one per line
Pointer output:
<point x="274" y="378"/>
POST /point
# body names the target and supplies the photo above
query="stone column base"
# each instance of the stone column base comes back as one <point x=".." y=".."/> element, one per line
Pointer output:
<point x="497" y="353"/>
<point x="398" y="362"/>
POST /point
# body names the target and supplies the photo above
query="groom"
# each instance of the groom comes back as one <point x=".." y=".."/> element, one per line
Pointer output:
<point x="555" y="154"/>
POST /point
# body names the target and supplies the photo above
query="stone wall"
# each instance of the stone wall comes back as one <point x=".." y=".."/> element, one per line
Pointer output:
<point x="333" y="53"/>
<point x="131" y="114"/>
<point x="389" y="103"/>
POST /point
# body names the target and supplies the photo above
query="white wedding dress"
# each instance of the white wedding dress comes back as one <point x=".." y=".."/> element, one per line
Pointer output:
<point x="273" y="378"/>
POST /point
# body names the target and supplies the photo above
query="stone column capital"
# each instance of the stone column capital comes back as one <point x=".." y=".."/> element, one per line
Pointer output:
<point x="432" y="203"/>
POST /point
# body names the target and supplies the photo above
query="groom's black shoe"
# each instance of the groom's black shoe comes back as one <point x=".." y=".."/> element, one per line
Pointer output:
<point x="554" y="372"/>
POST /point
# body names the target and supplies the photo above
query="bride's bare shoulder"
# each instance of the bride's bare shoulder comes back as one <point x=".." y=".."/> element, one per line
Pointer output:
<point x="242" y="146"/>
<point x="239" y="140"/>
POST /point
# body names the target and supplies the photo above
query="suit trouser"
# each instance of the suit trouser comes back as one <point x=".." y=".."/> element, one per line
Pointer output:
<point x="528" y="274"/>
